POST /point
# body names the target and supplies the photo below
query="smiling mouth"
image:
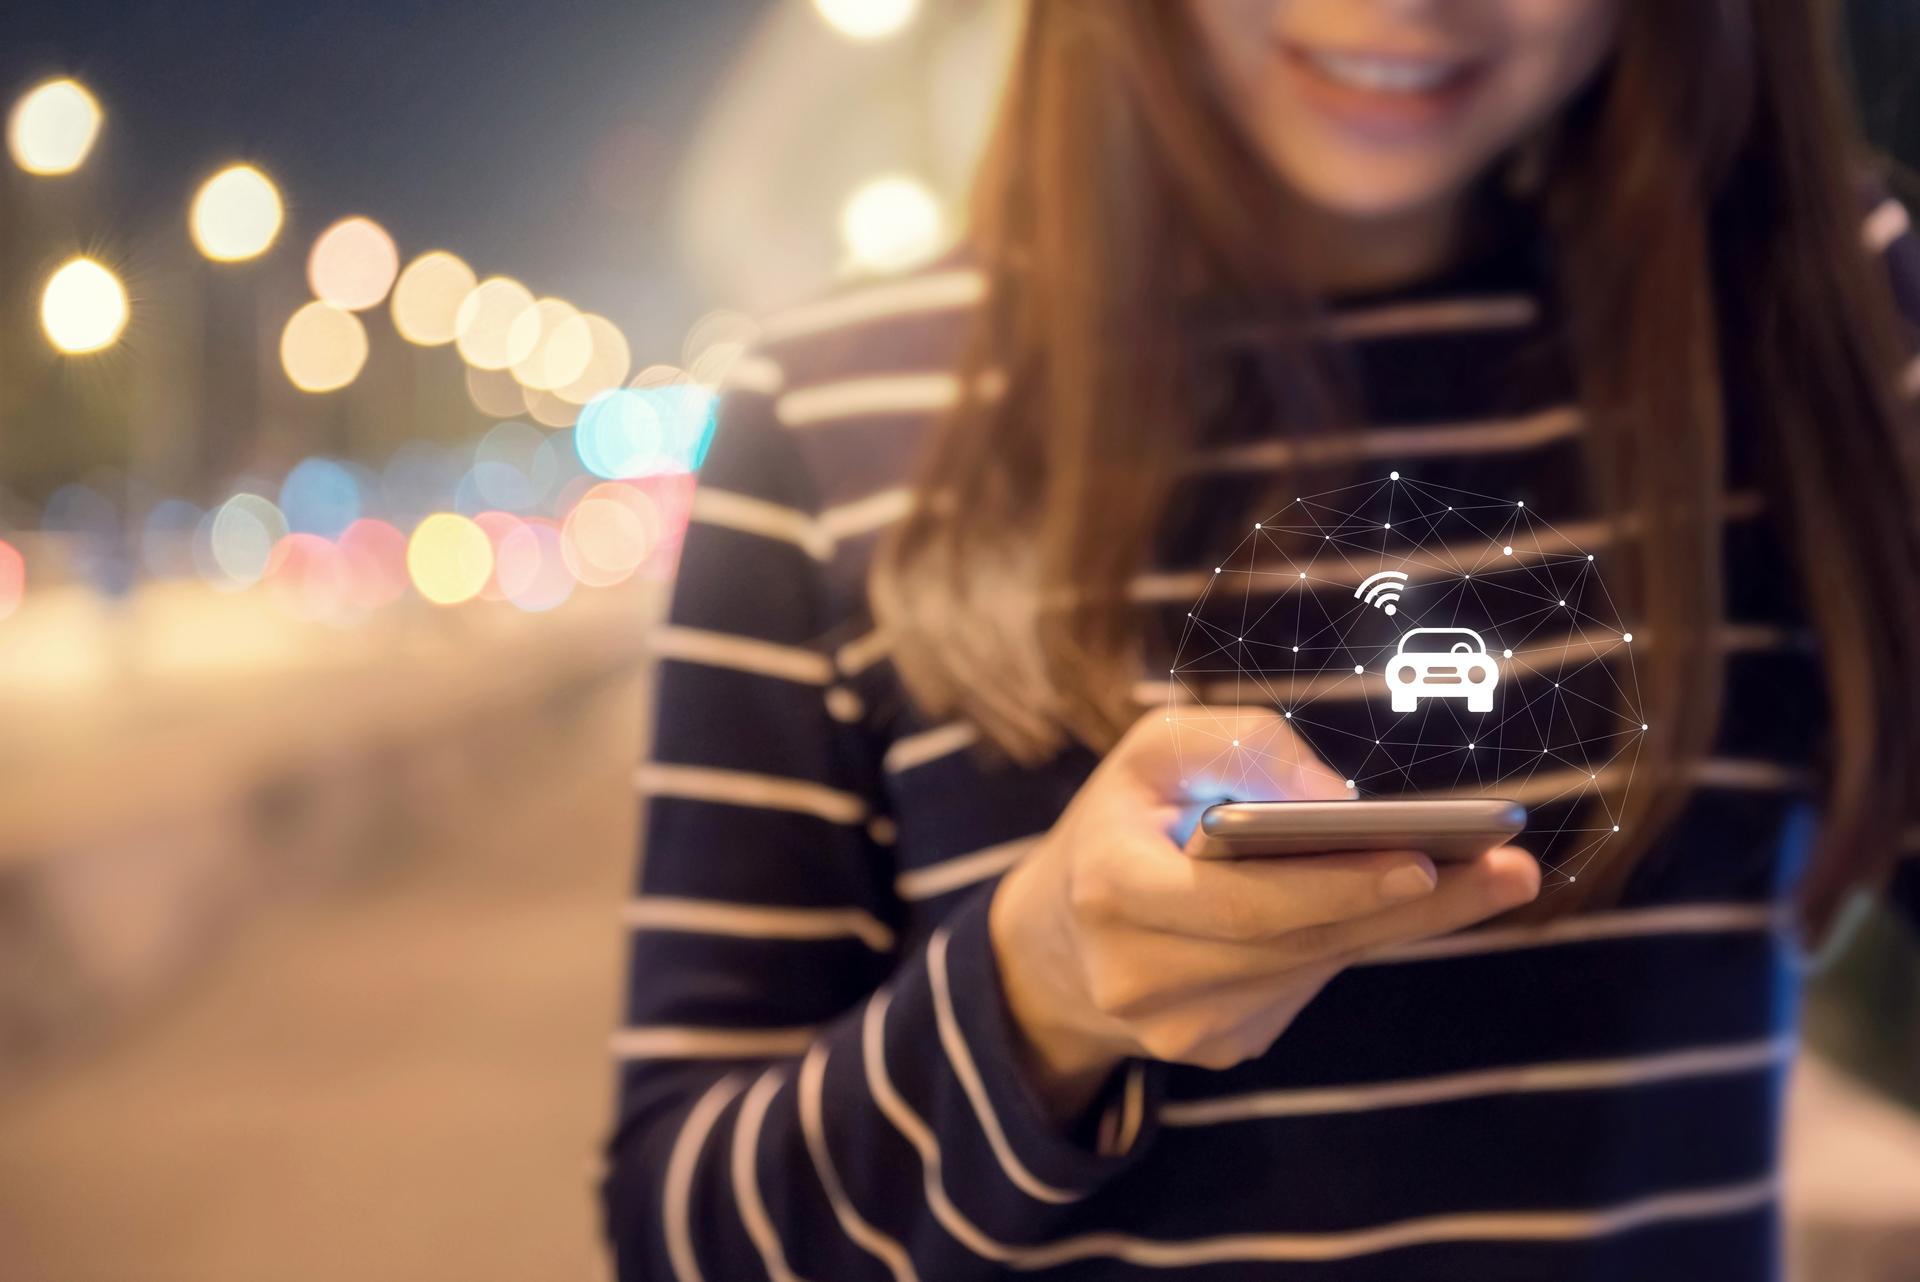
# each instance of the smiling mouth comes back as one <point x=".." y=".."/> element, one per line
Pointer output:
<point x="1384" y="73"/>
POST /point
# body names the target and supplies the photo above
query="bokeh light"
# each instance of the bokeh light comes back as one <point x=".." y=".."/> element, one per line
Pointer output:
<point x="867" y="19"/>
<point x="891" y="223"/>
<point x="427" y="297"/>
<point x="495" y="393"/>
<point x="242" y="533"/>
<point x="373" y="555"/>
<point x="323" y="348"/>
<point x="564" y="347"/>
<point x="13" y="578"/>
<point x="620" y="434"/>
<point x="320" y="497"/>
<point x="306" y="576"/>
<point x="449" y="558"/>
<point x="609" y="533"/>
<point x="53" y="127"/>
<point x="497" y="526"/>
<point x="608" y="361"/>
<point x="531" y="567"/>
<point x="83" y="308"/>
<point x="547" y="409"/>
<point x="236" y="215"/>
<point x="486" y="327"/>
<point x="353" y="264"/>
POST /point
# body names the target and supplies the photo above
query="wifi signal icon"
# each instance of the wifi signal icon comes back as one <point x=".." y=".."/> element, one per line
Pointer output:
<point x="1381" y="590"/>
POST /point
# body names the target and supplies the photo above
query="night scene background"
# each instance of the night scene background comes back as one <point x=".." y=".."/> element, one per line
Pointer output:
<point x="356" y="360"/>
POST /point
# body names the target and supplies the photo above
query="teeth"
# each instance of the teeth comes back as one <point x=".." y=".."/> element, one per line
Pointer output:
<point x="1389" y="75"/>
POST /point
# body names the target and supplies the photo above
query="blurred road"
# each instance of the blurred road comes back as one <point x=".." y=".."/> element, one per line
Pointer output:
<point x="402" y="1079"/>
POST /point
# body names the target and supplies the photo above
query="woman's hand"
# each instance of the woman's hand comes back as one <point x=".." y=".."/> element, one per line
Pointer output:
<point x="1112" y="942"/>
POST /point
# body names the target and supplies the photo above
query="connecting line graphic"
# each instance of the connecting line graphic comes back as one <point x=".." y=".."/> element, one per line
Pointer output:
<point x="1284" y="621"/>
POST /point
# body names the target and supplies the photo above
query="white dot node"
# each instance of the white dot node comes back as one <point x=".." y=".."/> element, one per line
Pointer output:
<point x="1506" y="654"/>
<point x="1392" y="476"/>
<point x="1563" y="603"/>
<point x="1351" y="784"/>
<point x="1571" y="879"/>
<point x="1289" y="716"/>
<point x="1616" y="827"/>
<point x="1303" y="574"/>
<point x="1296" y="649"/>
<point x="1507" y="550"/>
<point x="1216" y="569"/>
<point x="1392" y="609"/>
<point x="1643" y="725"/>
<point x="1626" y="636"/>
<point x="1589" y="556"/>
<point x="1358" y="669"/>
<point x="1386" y="525"/>
<point x="1523" y="503"/>
<point x="1236" y="743"/>
<point x="1470" y="747"/>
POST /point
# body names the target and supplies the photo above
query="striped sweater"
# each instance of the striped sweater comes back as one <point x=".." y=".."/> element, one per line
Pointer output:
<point x="817" y="1079"/>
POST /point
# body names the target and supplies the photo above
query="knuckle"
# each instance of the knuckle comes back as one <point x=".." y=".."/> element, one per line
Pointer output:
<point x="1094" y="891"/>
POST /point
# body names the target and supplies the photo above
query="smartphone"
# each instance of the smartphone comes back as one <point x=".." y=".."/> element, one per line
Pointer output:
<point x="1450" y="829"/>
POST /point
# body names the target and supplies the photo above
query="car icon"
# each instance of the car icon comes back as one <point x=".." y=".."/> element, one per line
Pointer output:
<point x="1442" y="663"/>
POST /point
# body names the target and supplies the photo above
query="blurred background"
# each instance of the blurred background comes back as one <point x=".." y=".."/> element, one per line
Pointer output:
<point x="356" y="361"/>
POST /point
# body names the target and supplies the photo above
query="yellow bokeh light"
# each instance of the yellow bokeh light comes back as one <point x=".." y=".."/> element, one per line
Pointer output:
<point x="449" y="559"/>
<point x="84" y="307"/>
<point x="607" y="363"/>
<point x="427" y="297"/>
<point x="485" y="327"/>
<point x="53" y="127"/>
<point x="564" y="349"/>
<point x="891" y="223"/>
<point x="353" y="264"/>
<point x="868" y="19"/>
<point x="236" y="214"/>
<point x="323" y="348"/>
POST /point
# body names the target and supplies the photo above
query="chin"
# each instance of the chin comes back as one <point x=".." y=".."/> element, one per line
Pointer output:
<point x="1371" y="187"/>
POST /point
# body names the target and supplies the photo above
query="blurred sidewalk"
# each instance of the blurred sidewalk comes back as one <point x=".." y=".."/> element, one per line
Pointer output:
<point x="403" y="1077"/>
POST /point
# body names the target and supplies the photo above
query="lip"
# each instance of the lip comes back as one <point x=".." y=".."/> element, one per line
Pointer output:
<point x="1377" y="115"/>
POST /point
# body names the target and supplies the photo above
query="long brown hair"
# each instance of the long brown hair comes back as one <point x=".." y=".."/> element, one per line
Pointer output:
<point x="1702" y="208"/>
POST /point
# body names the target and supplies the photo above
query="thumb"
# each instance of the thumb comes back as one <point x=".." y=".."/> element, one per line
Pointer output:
<point x="1205" y="754"/>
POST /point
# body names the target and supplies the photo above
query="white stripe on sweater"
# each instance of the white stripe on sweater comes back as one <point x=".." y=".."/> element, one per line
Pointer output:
<point x="660" y="1041"/>
<point x="756" y="921"/>
<point x="741" y="654"/>
<point x="962" y="870"/>
<point x="1518" y="1079"/>
<point x="760" y="792"/>
<point x="866" y="397"/>
<point x="1438" y="440"/>
<point x="1887" y="223"/>
<point x="813" y="1070"/>
<point x="677" y="1195"/>
<point x="746" y="1177"/>
<point x="911" y="751"/>
<point x="960" y="1058"/>
<point x="1625" y="923"/>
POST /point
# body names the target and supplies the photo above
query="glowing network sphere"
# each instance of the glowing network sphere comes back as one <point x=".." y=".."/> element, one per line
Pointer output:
<point x="236" y="215"/>
<point x="449" y="559"/>
<point x="867" y="19"/>
<point x="323" y="348"/>
<point x="1421" y="641"/>
<point x="83" y="308"/>
<point x="53" y="127"/>
<point x="427" y="297"/>
<point x="891" y="223"/>
<point x="353" y="264"/>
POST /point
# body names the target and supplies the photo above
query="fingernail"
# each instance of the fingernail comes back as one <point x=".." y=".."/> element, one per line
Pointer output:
<point x="1408" y="881"/>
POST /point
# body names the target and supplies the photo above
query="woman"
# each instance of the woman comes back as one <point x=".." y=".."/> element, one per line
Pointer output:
<point x="924" y="985"/>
